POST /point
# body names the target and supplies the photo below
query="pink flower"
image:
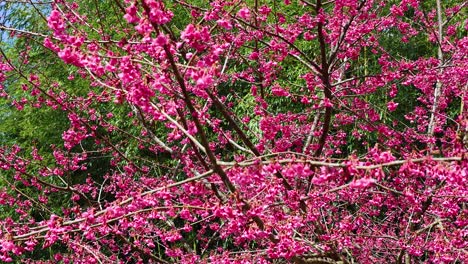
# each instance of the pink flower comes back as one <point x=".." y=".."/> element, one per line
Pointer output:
<point x="244" y="13"/>
<point x="362" y="183"/>
<point x="131" y="15"/>
<point x="71" y="57"/>
<point x="392" y="106"/>
<point x="279" y="91"/>
<point x="204" y="81"/>
<point x="49" y="44"/>
<point x="161" y="40"/>
<point x="225" y="24"/>
<point x="55" y="22"/>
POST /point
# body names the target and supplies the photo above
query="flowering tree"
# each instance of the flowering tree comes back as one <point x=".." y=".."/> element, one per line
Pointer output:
<point x="242" y="131"/>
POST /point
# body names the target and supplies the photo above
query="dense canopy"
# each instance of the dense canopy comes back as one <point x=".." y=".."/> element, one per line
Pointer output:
<point x="234" y="131"/>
